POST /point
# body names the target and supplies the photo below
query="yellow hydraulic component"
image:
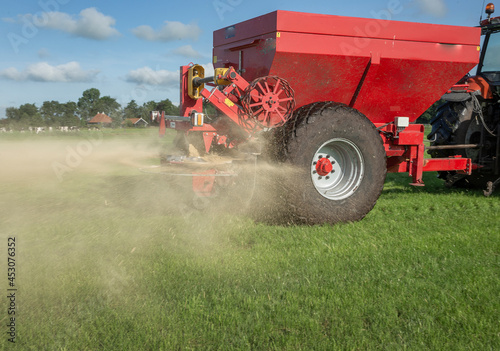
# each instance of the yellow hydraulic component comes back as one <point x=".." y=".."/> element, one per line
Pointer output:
<point x="220" y="72"/>
<point x="196" y="71"/>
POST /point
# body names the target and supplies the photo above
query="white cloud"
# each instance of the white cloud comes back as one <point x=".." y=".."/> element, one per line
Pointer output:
<point x="433" y="7"/>
<point x="90" y="23"/>
<point x="187" y="51"/>
<point x="209" y="69"/>
<point x="44" y="72"/>
<point x="170" y="31"/>
<point x="146" y="75"/>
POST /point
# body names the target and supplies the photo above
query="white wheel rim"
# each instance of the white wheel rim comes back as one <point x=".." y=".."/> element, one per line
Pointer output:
<point x="347" y="169"/>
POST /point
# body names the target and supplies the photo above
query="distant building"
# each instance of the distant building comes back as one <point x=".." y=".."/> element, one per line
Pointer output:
<point x="101" y="119"/>
<point x="136" y="122"/>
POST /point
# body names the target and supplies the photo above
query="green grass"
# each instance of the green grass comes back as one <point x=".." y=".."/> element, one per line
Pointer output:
<point x="106" y="262"/>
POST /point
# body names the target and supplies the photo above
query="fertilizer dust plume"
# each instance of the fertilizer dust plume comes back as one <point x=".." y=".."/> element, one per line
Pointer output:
<point x="85" y="208"/>
<point x="42" y="177"/>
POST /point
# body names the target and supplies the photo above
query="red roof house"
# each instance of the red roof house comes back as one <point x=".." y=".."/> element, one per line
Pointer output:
<point x="102" y="119"/>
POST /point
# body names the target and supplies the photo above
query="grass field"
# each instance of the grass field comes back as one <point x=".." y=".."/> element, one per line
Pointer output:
<point x="106" y="261"/>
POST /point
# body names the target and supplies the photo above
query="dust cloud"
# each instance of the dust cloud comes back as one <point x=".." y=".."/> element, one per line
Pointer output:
<point x="127" y="173"/>
<point x="84" y="209"/>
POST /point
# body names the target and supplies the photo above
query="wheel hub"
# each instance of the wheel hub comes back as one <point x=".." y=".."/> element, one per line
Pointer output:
<point x="337" y="169"/>
<point x="324" y="166"/>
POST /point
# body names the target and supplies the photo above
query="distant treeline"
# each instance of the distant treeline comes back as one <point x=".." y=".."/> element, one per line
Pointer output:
<point x="55" y="114"/>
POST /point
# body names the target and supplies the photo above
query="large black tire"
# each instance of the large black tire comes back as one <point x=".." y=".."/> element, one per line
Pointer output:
<point x="351" y="142"/>
<point x="456" y="123"/>
<point x="450" y="127"/>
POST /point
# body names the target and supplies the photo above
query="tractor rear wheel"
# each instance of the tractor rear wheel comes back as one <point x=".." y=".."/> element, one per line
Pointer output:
<point x="338" y="161"/>
<point x="456" y="123"/>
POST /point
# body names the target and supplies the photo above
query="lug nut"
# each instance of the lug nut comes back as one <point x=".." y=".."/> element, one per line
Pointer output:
<point x="327" y="156"/>
<point x="319" y="178"/>
<point x="314" y="172"/>
<point x="314" y="163"/>
<point x="327" y="177"/>
<point x="320" y="157"/>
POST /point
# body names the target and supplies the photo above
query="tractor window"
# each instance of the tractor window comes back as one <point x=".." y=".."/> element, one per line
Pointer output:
<point x="491" y="61"/>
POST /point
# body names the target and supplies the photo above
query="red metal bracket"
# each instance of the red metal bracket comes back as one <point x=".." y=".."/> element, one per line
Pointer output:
<point x="456" y="163"/>
<point x="405" y="151"/>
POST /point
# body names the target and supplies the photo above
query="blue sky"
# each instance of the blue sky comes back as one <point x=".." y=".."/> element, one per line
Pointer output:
<point x="56" y="49"/>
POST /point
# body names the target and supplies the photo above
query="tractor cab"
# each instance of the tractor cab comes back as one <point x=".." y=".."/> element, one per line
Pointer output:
<point x="468" y="123"/>
<point x="489" y="64"/>
<point x="486" y="82"/>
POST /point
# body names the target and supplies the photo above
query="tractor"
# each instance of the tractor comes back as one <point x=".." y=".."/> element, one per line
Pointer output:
<point x="468" y="122"/>
<point x="329" y="101"/>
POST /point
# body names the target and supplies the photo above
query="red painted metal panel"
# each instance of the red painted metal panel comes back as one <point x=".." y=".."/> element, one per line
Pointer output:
<point x="248" y="29"/>
<point x="300" y="22"/>
<point x="448" y="164"/>
<point x="406" y="66"/>
<point x="372" y="28"/>
<point x="410" y="138"/>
